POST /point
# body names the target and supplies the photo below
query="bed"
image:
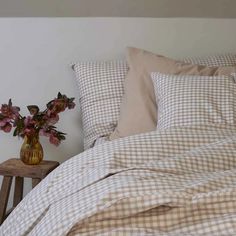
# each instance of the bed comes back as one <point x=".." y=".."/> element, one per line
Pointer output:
<point x="155" y="163"/>
<point x="176" y="182"/>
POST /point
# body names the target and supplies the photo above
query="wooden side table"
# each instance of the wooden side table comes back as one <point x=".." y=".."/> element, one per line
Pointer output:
<point x="16" y="168"/>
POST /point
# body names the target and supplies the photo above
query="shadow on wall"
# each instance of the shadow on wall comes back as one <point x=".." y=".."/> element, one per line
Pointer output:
<point x="121" y="8"/>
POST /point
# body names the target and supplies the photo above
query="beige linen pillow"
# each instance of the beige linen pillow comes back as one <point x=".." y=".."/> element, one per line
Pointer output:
<point x="138" y="111"/>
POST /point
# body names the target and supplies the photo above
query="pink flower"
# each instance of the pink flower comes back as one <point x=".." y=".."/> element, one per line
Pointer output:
<point x="4" y="121"/>
<point x="10" y="111"/>
<point x="29" y="131"/>
<point x="71" y="105"/>
<point x="28" y="121"/>
<point x="57" y="105"/>
<point x="44" y="132"/>
<point x="5" y="109"/>
<point x="5" y="125"/>
<point x="6" y="128"/>
<point x="54" y="140"/>
<point x="15" y="112"/>
<point x="52" y="118"/>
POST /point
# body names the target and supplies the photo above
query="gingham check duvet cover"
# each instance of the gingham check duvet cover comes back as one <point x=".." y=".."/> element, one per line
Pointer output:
<point x="180" y="181"/>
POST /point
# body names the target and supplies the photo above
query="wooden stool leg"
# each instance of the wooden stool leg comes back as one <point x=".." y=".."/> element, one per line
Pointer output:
<point x="18" y="194"/>
<point x="4" y="195"/>
<point x="35" y="182"/>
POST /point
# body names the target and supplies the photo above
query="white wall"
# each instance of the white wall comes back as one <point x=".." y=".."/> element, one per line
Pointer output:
<point x="35" y="54"/>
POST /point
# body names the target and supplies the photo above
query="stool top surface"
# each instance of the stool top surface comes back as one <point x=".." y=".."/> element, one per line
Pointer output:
<point x="15" y="167"/>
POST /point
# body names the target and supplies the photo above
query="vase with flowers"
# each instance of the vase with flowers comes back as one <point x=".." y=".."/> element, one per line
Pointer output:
<point x="34" y="125"/>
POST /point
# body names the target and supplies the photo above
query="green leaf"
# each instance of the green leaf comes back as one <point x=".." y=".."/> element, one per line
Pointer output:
<point x="33" y="109"/>
<point x="18" y="108"/>
<point x="15" y="132"/>
<point x="52" y="127"/>
<point x="61" y="133"/>
<point x="19" y="126"/>
<point x="49" y="104"/>
<point x="38" y="117"/>
<point x="71" y="99"/>
<point x="1" y="116"/>
<point x="10" y="103"/>
<point x="59" y="95"/>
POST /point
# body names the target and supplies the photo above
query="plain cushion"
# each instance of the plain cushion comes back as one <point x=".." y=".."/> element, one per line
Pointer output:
<point x="138" y="111"/>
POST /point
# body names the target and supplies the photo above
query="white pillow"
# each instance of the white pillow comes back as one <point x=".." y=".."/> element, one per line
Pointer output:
<point x="214" y="60"/>
<point x="192" y="100"/>
<point x="100" y="93"/>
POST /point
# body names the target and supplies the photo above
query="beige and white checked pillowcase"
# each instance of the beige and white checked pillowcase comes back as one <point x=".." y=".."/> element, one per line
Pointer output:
<point x="100" y="93"/>
<point x="185" y="100"/>
<point x="213" y="61"/>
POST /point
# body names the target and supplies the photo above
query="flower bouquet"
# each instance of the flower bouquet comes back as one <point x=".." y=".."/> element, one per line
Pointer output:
<point x="32" y="126"/>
